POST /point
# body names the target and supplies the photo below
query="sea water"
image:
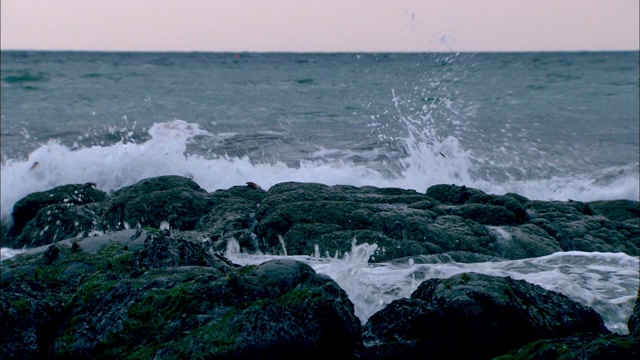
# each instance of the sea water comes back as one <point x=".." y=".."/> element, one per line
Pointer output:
<point x="549" y="126"/>
<point x="606" y="282"/>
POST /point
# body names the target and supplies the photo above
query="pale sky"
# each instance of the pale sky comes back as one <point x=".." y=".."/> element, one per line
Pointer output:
<point x="320" y="25"/>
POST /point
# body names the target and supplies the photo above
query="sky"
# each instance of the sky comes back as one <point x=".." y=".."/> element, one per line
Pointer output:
<point x="320" y="25"/>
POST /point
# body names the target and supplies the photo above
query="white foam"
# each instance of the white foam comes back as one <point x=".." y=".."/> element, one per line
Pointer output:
<point x="430" y="162"/>
<point x="607" y="282"/>
<point x="8" y="253"/>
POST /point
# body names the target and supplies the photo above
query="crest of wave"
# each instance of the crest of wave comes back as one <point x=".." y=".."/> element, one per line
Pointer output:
<point x="435" y="155"/>
<point x="122" y="164"/>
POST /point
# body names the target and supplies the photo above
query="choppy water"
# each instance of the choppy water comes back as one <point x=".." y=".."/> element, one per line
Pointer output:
<point x="544" y="125"/>
<point x="606" y="282"/>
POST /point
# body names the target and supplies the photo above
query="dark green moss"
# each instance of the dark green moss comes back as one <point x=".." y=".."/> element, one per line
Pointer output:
<point x="152" y="230"/>
<point x="591" y="346"/>
<point x="465" y="278"/>
<point x="216" y="338"/>
<point x="300" y="296"/>
<point x="21" y="305"/>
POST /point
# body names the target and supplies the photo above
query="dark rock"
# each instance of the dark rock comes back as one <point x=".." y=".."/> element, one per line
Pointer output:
<point x="459" y="195"/>
<point x="233" y="217"/>
<point x="169" y="299"/>
<point x="174" y="199"/>
<point x="483" y="214"/>
<point x="308" y="216"/>
<point x="197" y="312"/>
<point x="455" y="195"/>
<point x="76" y="273"/>
<point x="616" y="210"/>
<point x="279" y="219"/>
<point x="588" y="346"/>
<point x="51" y="254"/>
<point x="557" y="210"/>
<point x="5" y="233"/>
<point x="401" y="222"/>
<point x="576" y="227"/>
<point x="162" y="250"/>
<point x="634" y="319"/>
<point x="28" y="317"/>
<point x="473" y="316"/>
<point x="524" y="241"/>
<point x="458" y="234"/>
<point x="59" y="221"/>
<point x="27" y="208"/>
<point x="284" y="274"/>
<point x="599" y="234"/>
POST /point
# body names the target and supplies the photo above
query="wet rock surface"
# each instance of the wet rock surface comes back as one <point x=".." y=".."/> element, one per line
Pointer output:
<point x="474" y="316"/>
<point x="28" y="207"/>
<point x="158" y="294"/>
<point x="581" y="346"/>
<point x="141" y="290"/>
<point x="447" y="218"/>
<point x="169" y="299"/>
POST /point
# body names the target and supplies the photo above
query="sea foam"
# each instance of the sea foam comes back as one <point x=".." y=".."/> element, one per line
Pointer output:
<point x="165" y="153"/>
<point x="607" y="282"/>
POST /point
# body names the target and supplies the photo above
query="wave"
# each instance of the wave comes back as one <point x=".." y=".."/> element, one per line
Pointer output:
<point x="165" y="153"/>
<point x="607" y="282"/>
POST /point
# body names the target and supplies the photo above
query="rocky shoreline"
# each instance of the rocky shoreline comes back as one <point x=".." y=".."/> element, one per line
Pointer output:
<point x="144" y="291"/>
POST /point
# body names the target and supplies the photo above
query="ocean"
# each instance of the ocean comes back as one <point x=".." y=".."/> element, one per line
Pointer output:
<point x="548" y="126"/>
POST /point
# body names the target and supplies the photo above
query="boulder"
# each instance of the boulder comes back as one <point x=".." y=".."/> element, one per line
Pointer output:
<point x="232" y="216"/>
<point x="617" y="210"/>
<point x="27" y="208"/>
<point x="401" y="222"/>
<point x="473" y="316"/>
<point x="460" y="195"/>
<point x="524" y="241"/>
<point x="634" y="319"/>
<point x="60" y="221"/>
<point x="587" y="346"/>
<point x="306" y="215"/>
<point x="577" y="227"/>
<point x="176" y="200"/>
<point x="309" y="217"/>
<point x="169" y="298"/>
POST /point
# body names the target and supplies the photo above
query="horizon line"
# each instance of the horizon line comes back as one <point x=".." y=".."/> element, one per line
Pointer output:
<point x="321" y="51"/>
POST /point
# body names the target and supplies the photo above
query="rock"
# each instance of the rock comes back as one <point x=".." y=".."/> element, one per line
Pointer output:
<point x="459" y="234"/>
<point x="168" y="299"/>
<point x="634" y="319"/>
<point x="482" y="214"/>
<point x="29" y="314"/>
<point x="163" y="250"/>
<point x="51" y="254"/>
<point x="460" y="195"/>
<point x="588" y="346"/>
<point x="617" y="210"/>
<point x="151" y="293"/>
<point x="577" y="227"/>
<point x="60" y="221"/>
<point x="524" y="241"/>
<point x="473" y="316"/>
<point x="199" y="312"/>
<point x="26" y="208"/>
<point x="308" y="216"/>
<point x="233" y="217"/>
<point x="176" y="200"/>
<point x="401" y="222"/>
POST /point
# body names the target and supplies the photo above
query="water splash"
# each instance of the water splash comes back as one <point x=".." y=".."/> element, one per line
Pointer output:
<point x="607" y="282"/>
